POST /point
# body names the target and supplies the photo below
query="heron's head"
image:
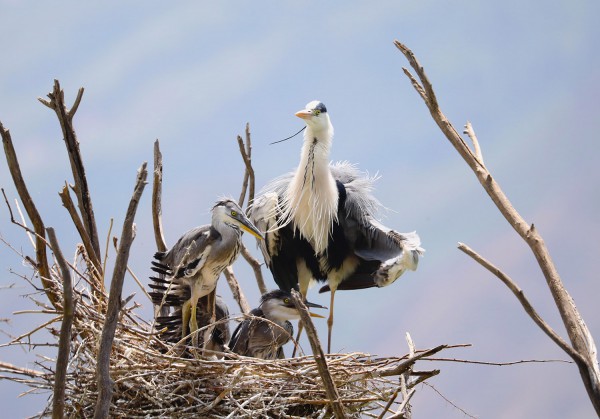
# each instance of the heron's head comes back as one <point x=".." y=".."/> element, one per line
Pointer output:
<point x="316" y="117"/>
<point x="228" y="212"/>
<point x="278" y="306"/>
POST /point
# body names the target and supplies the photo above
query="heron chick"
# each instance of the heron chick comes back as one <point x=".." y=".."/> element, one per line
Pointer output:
<point x="193" y="265"/>
<point x="268" y="329"/>
<point x="319" y="222"/>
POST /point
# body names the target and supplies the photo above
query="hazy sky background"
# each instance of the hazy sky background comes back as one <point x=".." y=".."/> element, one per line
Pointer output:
<point x="191" y="74"/>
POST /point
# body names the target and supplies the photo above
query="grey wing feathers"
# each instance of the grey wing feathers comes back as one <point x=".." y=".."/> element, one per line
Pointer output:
<point x="259" y="338"/>
<point x="361" y="205"/>
<point x="188" y="249"/>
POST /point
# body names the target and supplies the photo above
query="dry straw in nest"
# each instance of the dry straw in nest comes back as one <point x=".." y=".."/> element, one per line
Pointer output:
<point x="150" y="380"/>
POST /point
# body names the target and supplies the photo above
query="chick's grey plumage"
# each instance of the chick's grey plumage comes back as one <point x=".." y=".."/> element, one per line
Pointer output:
<point x="268" y="329"/>
<point x="320" y="224"/>
<point x="191" y="268"/>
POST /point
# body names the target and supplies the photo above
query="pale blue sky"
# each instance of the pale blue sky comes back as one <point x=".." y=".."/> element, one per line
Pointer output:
<point x="192" y="74"/>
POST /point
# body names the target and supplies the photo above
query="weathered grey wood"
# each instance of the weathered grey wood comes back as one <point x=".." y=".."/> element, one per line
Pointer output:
<point x="105" y="383"/>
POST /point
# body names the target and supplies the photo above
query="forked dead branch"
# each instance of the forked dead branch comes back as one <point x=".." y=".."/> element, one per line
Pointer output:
<point x="112" y="362"/>
<point x="582" y="348"/>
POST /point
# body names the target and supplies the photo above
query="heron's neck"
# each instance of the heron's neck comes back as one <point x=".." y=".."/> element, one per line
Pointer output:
<point x="312" y="195"/>
<point x="228" y="232"/>
<point x="277" y="314"/>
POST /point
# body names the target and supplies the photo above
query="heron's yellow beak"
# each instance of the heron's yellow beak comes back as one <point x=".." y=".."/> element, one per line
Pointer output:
<point x="304" y="114"/>
<point x="254" y="231"/>
<point x="315" y="315"/>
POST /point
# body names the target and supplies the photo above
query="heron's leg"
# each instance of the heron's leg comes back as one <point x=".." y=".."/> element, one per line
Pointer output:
<point x="193" y="317"/>
<point x="194" y="323"/>
<point x="330" y="321"/>
<point x="303" y="285"/>
<point x="185" y="316"/>
<point x="296" y="343"/>
<point x="210" y="306"/>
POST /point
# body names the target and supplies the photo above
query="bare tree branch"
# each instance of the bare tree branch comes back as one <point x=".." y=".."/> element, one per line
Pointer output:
<point x="330" y="389"/>
<point x="246" y="152"/>
<point x="64" y="342"/>
<point x="499" y="364"/>
<point x="32" y="213"/>
<point x="518" y="292"/>
<point x="255" y="265"/>
<point x="159" y="236"/>
<point x="476" y="148"/>
<point x="249" y="182"/>
<point x="105" y="383"/>
<point x="579" y="334"/>
<point x="87" y="244"/>
<point x="236" y="290"/>
<point x="65" y="117"/>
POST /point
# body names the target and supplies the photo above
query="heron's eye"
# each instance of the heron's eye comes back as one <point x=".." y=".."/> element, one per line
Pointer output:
<point x="316" y="112"/>
<point x="234" y="213"/>
<point x="286" y="300"/>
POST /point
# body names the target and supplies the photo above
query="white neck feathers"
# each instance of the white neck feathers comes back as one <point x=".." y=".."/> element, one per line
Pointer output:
<point x="311" y="199"/>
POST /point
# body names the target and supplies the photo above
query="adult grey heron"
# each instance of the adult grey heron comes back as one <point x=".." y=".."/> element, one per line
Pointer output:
<point x="195" y="262"/>
<point x="319" y="223"/>
<point x="268" y="329"/>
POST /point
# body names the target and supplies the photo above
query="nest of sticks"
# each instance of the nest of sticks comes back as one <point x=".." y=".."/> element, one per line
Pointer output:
<point x="150" y="379"/>
<point x="111" y="361"/>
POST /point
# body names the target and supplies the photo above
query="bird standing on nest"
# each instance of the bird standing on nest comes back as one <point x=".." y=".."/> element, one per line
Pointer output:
<point x="260" y="338"/>
<point x="195" y="262"/>
<point x="319" y="223"/>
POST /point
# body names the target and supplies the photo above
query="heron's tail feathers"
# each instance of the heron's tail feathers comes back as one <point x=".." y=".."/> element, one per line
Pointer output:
<point x="408" y="259"/>
<point x="161" y="268"/>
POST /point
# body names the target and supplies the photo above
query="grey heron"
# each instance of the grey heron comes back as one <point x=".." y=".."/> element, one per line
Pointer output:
<point x="194" y="263"/>
<point x="260" y="338"/>
<point x="319" y="223"/>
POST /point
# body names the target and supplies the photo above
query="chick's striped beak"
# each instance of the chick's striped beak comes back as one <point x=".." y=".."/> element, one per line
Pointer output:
<point x="313" y="305"/>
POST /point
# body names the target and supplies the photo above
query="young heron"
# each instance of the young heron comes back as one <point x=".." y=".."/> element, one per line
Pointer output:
<point x="319" y="223"/>
<point x="195" y="262"/>
<point x="264" y="339"/>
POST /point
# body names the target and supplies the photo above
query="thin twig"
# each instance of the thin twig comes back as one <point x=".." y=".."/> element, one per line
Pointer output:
<point x="249" y="180"/>
<point x="391" y="400"/>
<point x="30" y="234"/>
<point x="106" y="247"/>
<point x="476" y="148"/>
<point x="464" y="412"/>
<point x="499" y="364"/>
<point x="246" y="173"/>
